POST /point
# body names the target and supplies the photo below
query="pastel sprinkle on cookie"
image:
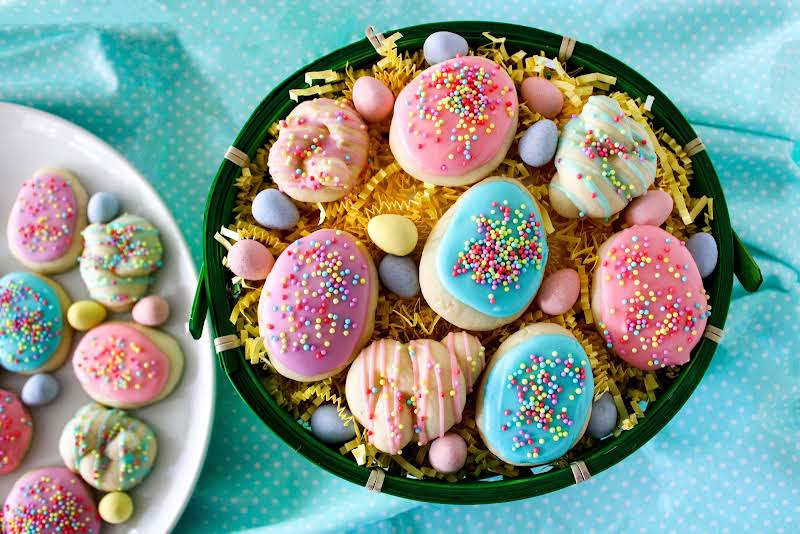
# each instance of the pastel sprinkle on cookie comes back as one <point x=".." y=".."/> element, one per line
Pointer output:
<point x="45" y="217"/>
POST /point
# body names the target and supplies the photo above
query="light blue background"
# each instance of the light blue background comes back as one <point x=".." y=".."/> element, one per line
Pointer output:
<point x="169" y="84"/>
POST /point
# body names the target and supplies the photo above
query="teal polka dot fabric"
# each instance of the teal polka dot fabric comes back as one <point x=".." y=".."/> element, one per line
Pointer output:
<point x="170" y="83"/>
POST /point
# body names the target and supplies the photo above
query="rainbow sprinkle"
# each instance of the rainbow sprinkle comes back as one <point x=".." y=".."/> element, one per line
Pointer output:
<point x="51" y="207"/>
<point x="28" y="325"/>
<point x="50" y="506"/>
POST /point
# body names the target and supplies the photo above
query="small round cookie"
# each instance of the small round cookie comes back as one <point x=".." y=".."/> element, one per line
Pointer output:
<point x="604" y="160"/>
<point x="415" y="391"/>
<point x="110" y="449"/>
<point x="454" y="123"/>
<point x="119" y="259"/>
<point x="16" y="430"/>
<point x="46" y="221"/>
<point x="127" y="365"/>
<point x="648" y="298"/>
<point x="535" y="399"/>
<point x="321" y="151"/>
<point x="485" y="258"/>
<point x="34" y="334"/>
<point x="317" y="308"/>
<point x="51" y="500"/>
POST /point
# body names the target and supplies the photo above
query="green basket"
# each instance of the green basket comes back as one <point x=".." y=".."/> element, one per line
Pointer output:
<point x="733" y="258"/>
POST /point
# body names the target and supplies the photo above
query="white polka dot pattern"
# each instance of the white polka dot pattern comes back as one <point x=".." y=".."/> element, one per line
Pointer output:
<point x="171" y="85"/>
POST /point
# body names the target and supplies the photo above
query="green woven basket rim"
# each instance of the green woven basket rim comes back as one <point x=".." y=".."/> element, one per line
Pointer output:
<point x="219" y="212"/>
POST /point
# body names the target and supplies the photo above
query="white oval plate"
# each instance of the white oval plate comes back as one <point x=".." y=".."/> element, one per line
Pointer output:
<point x="29" y="140"/>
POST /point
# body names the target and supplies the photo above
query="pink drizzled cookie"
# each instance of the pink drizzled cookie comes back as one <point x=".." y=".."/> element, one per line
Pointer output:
<point x="120" y="365"/>
<point x="51" y="500"/>
<point x="321" y="151"/>
<point x="454" y="123"/>
<point x="16" y="430"/>
<point x="648" y="298"/>
<point x="317" y="307"/>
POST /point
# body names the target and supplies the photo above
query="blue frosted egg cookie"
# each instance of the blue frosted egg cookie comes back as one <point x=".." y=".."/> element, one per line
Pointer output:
<point x="535" y="398"/>
<point x="484" y="260"/>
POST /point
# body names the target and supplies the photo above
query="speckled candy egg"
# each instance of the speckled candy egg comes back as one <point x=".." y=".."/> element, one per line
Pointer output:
<point x="538" y="143"/>
<point x="84" y="315"/>
<point x="394" y="234"/>
<point x="448" y="453"/>
<point x="115" y="507"/>
<point x="275" y="210"/>
<point x="651" y="208"/>
<point x="400" y="275"/>
<point x="703" y="248"/>
<point x="327" y="426"/>
<point x="603" y="420"/>
<point x="559" y="292"/>
<point x="151" y="311"/>
<point x="40" y="389"/>
<point x="102" y="207"/>
<point x="441" y="46"/>
<point x="250" y="259"/>
<point x="372" y="99"/>
<point x="542" y="96"/>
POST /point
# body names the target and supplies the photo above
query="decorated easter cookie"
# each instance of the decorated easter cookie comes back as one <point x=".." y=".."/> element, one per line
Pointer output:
<point x="34" y="334"/>
<point x="127" y="365"/>
<point x="415" y="391"/>
<point x="604" y="160"/>
<point x="46" y="221"/>
<point x="648" y="299"/>
<point x="317" y="308"/>
<point x="16" y="430"/>
<point x="321" y="151"/>
<point x="535" y="398"/>
<point x="484" y="260"/>
<point x="51" y="500"/>
<point x="110" y="449"/>
<point x="119" y="259"/>
<point x="454" y="123"/>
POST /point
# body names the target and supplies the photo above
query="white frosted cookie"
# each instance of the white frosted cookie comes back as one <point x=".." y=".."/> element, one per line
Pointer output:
<point x="484" y="260"/>
<point x="46" y="221"/>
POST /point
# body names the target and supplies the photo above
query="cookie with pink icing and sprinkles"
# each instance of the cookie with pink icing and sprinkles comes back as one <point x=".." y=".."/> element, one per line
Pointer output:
<point x="51" y="500"/>
<point x="454" y="123"/>
<point x="46" y="221"/>
<point x="16" y="431"/>
<point x="35" y="336"/>
<point x="648" y="298"/>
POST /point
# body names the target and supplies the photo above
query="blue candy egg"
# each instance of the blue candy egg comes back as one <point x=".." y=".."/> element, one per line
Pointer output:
<point x="604" y="417"/>
<point x="538" y="143"/>
<point x="441" y="46"/>
<point x="703" y="248"/>
<point x="273" y="209"/>
<point x="103" y="207"/>
<point x="327" y="426"/>
<point x="39" y="390"/>
<point x="400" y="275"/>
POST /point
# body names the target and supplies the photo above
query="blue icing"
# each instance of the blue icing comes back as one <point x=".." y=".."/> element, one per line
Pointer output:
<point x="514" y="227"/>
<point x="510" y="409"/>
<point x="31" y="322"/>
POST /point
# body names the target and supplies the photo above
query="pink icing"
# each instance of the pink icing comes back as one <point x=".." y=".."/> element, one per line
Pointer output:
<point x="431" y="113"/>
<point x="314" y="305"/>
<point x="49" y="501"/>
<point x="43" y="219"/>
<point x="649" y="298"/>
<point x="16" y="429"/>
<point x="117" y="361"/>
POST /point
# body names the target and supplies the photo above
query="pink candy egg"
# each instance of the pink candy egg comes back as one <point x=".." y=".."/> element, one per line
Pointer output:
<point x="652" y="208"/>
<point x="559" y="292"/>
<point x="250" y="259"/>
<point x="542" y="96"/>
<point x="151" y="311"/>
<point x="448" y="453"/>
<point x="372" y="99"/>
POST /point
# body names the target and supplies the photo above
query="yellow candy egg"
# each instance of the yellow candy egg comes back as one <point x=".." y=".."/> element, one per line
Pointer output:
<point x="115" y="507"/>
<point x="394" y="234"/>
<point x="86" y="314"/>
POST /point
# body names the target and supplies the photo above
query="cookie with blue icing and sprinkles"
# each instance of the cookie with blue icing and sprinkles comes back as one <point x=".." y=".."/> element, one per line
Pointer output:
<point x="34" y="334"/>
<point x="483" y="262"/>
<point x="535" y="398"/>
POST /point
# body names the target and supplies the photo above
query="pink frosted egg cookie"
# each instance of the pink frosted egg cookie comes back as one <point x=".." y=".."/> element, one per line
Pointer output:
<point x="648" y="298"/>
<point x="317" y="308"/>
<point x="321" y="151"/>
<point x="126" y="365"/>
<point x="454" y="123"/>
<point x="16" y="430"/>
<point x="51" y="500"/>
<point x="46" y="221"/>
